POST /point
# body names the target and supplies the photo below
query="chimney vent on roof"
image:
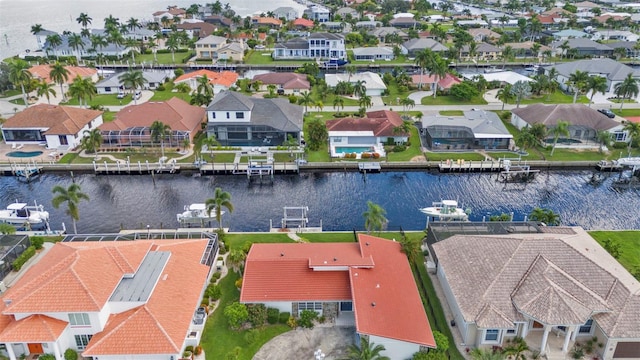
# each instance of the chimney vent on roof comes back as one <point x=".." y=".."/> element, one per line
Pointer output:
<point x="335" y="259"/>
<point x="281" y="254"/>
<point x="373" y="304"/>
<point x="367" y="243"/>
<point x="377" y="286"/>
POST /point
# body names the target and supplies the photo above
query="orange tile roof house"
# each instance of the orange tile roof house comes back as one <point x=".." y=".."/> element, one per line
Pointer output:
<point x="288" y="82"/>
<point x="346" y="283"/>
<point x="131" y="127"/>
<point x="554" y="288"/>
<point x="219" y="80"/>
<point x="109" y="300"/>
<point x="59" y="127"/>
<point x="42" y="72"/>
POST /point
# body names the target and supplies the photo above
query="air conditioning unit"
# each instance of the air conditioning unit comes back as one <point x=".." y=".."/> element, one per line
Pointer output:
<point x="3" y="287"/>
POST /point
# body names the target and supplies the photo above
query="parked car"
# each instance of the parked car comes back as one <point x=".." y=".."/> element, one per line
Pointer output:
<point x="137" y="95"/>
<point x="607" y="112"/>
<point x="121" y="95"/>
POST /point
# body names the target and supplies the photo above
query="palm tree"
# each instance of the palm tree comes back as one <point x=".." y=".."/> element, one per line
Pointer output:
<point x="338" y="103"/>
<point x="438" y="69"/>
<point x="628" y="88"/>
<point x="507" y="54"/>
<point x="505" y="94"/>
<point x="423" y="59"/>
<point x="366" y="351"/>
<point x="53" y="41"/>
<point x="211" y="142"/>
<point x="7" y="229"/>
<point x="111" y="22"/>
<point x="547" y="216"/>
<point x="159" y="131"/>
<point x="236" y="259"/>
<point x="359" y="88"/>
<point x="204" y="86"/>
<point x="35" y="30"/>
<point x="72" y="196"/>
<point x="596" y="84"/>
<point x="76" y="42"/>
<point x="172" y="45"/>
<point x="407" y="103"/>
<point x="365" y="101"/>
<point x="487" y="354"/>
<point x="350" y="69"/>
<point x="561" y="129"/>
<point x="133" y="24"/>
<point x="59" y="74"/>
<point x="633" y="129"/>
<point x="525" y="139"/>
<point x="374" y="217"/>
<point x="45" y="89"/>
<point x="306" y="100"/>
<point x="19" y="75"/>
<point x="84" y="20"/>
<point x="473" y="52"/>
<point x="578" y="81"/>
<point x="92" y="140"/>
<point x="133" y="79"/>
<point x="604" y="138"/>
<point x="220" y="199"/>
<point x="82" y="89"/>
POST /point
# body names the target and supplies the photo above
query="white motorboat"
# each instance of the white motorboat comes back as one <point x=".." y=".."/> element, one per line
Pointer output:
<point x="446" y="210"/>
<point x="196" y="214"/>
<point x="25" y="217"/>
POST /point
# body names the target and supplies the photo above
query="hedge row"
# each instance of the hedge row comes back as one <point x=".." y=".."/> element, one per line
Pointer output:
<point x="23" y="258"/>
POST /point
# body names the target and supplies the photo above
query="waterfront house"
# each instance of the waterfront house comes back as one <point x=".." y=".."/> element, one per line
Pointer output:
<point x="374" y="53"/>
<point x="372" y="131"/>
<point x="112" y="85"/>
<point x="372" y="81"/>
<point x="109" y="300"/>
<point x="347" y="283"/>
<point x="569" y="34"/>
<point x="317" y="13"/>
<point x="629" y="47"/>
<point x="173" y="13"/>
<point x="233" y="51"/>
<point x="476" y="129"/>
<point x="58" y="127"/>
<point x="239" y="120"/>
<point x="41" y="72"/>
<point x="405" y="23"/>
<point x="199" y="29"/>
<point x="262" y="21"/>
<point x="302" y="24"/>
<point x="220" y="81"/>
<point x="286" y="83"/>
<point x="344" y="11"/>
<point x="426" y="81"/>
<point x="382" y="33"/>
<point x="317" y="45"/>
<point x="614" y="71"/>
<point x="208" y="47"/>
<point x="414" y="46"/>
<point x="525" y="49"/>
<point x="620" y="35"/>
<point x="583" y="47"/>
<point x="483" y="34"/>
<point x="484" y="52"/>
<point x="218" y="21"/>
<point x="553" y="288"/>
<point x="132" y="125"/>
<point x="87" y="49"/>
<point x="584" y="122"/>
<point x="286" y="12"/>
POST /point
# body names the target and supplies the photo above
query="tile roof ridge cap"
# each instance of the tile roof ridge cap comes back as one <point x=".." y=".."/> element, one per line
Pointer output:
<point x="574" y="280"/>
<point x="84" y="286"/>
<point x="145" y="307"/>
<point x="524" y="276"/>
<point x="133" y="311"/>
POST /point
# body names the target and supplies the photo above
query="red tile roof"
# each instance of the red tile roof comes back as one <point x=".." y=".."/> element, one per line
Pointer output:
<point x="225" y="78"/>
<point x="381" y="123"/>
<point x="42" y="72"/>
<point x="34" y="328"/>
<point x="175" y="112"/>
<point x="303" y="22"/>
<point x="372" y="271"/>
<point x="447" y="82"/>
<point x="285" y="80"/>
<point x="59" y="120"/>
<point x="266" y="20"/>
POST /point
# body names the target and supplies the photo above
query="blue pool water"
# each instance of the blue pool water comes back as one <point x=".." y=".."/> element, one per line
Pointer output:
<point x="352" y="149"/>
<point x="24" y="154"/>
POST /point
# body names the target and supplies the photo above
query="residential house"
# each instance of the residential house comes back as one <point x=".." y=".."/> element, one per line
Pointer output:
<point x="41" y="37"/>
<point x="286" y="12"/>
<point x="385" y="32"/>
<point x="220" y="81"/>
<point x="87" y="49"/>
<point x="112" y="84"/>
<point x="569" y="34"/>
<point x="41" y="72"/>
<point x="374" y="53"/>
<point x="629" y="46"/>
<point x="260" y="21"/>
<point x="336" y="26"/>
<point x="132" y="125"/>
<point x="484" y="35"/>
<point x="368" y="24"/>
<point x="198" y="29"/>
<point x="316" y="45"/>
<point x="553" y="288"/>
<point x="317" y="13"/>
<point x="372" y="81"/>
<point x="615" y="72"/>
<point x="426" y="81"/>
<point x="303" y="24"/>
<point x="233" y="52"/>
<point x="344" y="11"/>
<point x="208" y="47"/>
<point x="584" y="122"/>
<point x="414" y="46"/>
<point x="287" y="83"/>
<point x="369" y="133"/>
<point x="109" y="300"/>
<point x="583" y="47"/>
<point x="475" y="23"/>
<point x="476" y="129"/>
<point x="218" y="21"/>
<point x="584" y="8"/>
<point x="59" y="127"/>
<point x="503" y="77"/>
<point x="172" y="13"/>
<point x="239" y="120"/>
<point x="602" y="19"/>
<point x="405" y="23"/>
<point x="525" y="49"/>
<point x="346" y="283"/>
<point x="621" y="35"/>
<point x="484" y="52"/>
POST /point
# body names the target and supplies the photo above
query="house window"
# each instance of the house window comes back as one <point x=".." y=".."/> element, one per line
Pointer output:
<point x="82" y="341"/>
<point x="239" y="115"/>
<point x="620" y="136"/>
<point x="79" y="319"/>
<point x="491" y="335"/>
<point x="313" y="306"/>
<point x="213" y="115"/>
<point x="63" y="140"/>
<point x="227" y="114"/>
<point x="511" y="331"/>
<point x="586" y="328"/>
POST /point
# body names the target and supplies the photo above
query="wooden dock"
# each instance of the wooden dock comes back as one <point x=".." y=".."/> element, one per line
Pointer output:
<point x="610" y="166"/>
<point x="243" y="168"/>
<point x="369" y="167"/>
<point x="125" y="168"/>
<point x="470" y="166"/>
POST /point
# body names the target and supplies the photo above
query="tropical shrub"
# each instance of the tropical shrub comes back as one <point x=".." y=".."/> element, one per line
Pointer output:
<point x="272" y="315"/>
<point x="292" y="322"/>
<point x="23" y="258"/>
<point x="70" y="354"/>
<point x="236" y="314"/>
<point x="284" y="317"/>
<point x="306" y="318"/>
<point x="37" y="242"/>
<point x="257" y="314"/>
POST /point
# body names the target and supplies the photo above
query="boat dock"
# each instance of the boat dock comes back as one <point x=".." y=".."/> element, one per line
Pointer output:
<point x="369" y="167"/>
<point x="610" y="166"/>
<point x="470" y="166"/>
<point x="127" y="168"/>
<point x="23" y="171"/>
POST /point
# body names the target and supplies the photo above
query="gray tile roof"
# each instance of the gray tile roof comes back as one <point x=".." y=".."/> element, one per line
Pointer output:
<point x="277" y="113"/>
<point x="480" y="122"/>
<point x="560" y="279"/>
<point x="575" y="114"/>
<point x="326" y="35"/>
<point x="373" y="50"/>
<point x="150" y="76"/>
<point x="581" y="44"/>
<point x="422" y="43"/>
<point x="297" y="43"/>
<point x="611" y="69"/>
<point x="387" y="30"/>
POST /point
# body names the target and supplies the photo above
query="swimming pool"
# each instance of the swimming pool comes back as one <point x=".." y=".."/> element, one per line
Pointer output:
<point x="24" y="154"/>
<point x="352" y="149"/>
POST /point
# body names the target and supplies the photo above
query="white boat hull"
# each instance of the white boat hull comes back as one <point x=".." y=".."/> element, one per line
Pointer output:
<point x="435" y="212"/>
<point x="24" y="216"/>
<point x="196" y="214"/>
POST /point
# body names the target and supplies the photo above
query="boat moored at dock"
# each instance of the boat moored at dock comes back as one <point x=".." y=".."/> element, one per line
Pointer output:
<point x="446" y="210"/>
<point x="25" y="217"/>
<point x="196" y="215"/>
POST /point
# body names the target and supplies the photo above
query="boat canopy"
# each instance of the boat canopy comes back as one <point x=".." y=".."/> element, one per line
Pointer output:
<point x="450" y="203"/>
<point x="198" y="206"/>
<point x="16" y="206"/>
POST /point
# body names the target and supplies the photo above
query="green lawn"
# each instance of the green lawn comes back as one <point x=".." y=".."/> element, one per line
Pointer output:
<point x="18" y="101"/>
<point x="168" y="94"/>
<point x="348" y="236"/>
<point x="103" y="100"/>
<point x="108" y="116"/>
<point x="394" y="95"/>
<point x="164" y="58"/>
<point x="411" y="152"/>
<point x="572" y="155"/>
<point x="629" y="242"/>
<point x="237" y="241"/>
<point x="9" y="93"/>
<point x="557" y="97"/>
<point x="467" y="156"/>
<point x="452" y="113"/>
<point x="135" y="155"/>
<point x="626" y="112"/>
<point x="451" y="100"/>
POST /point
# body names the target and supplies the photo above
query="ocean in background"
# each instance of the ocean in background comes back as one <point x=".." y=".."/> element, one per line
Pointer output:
<point x="17" y="16"/>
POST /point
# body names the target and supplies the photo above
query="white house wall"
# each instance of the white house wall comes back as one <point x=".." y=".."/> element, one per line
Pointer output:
<point x="461" y="324"/>
<point x="282" y="306"/>
<point x="518" y="122"/>
<point x="140" y="357"/>
<point x="221" y="116"/>
<point x="395" y="349"/>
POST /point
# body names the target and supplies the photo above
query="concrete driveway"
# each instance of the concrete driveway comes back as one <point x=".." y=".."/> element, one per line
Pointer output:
<point x="302" y="343"/>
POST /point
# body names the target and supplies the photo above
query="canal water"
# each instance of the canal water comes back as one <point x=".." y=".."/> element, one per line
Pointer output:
<point x="337" y="199"/>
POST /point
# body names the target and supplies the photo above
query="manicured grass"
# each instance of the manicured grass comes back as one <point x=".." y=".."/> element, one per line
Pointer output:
<point x="467" y="156"/>
<point x="168" y="94"/>
<point x="557" y="97"/>
<point x="238" y="241"/>
<point x="328" y="237"/>
<point x="103" y="100"/>
<point x="572" y="155"/>
<point x="452" y="100"/>
<point x="9" y="93"/>
<point x="509" y="155"/>
<point x="19" y="101"/>
<point x="256" y="57"/>
<point x="394" y="95"/>
<point x="328" y="101"/>
<point x="135" y="155"/>
<point x="108" y="116"/>
<point x="452" y="113"/>
<point x="411" y="151"/>
<point x="626" y="112"/>
<point x="163" y="58"/>
<point x="629" y="242"/>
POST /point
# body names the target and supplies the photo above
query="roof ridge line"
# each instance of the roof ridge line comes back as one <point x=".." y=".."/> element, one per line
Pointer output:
<point x="159" y="324"/>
